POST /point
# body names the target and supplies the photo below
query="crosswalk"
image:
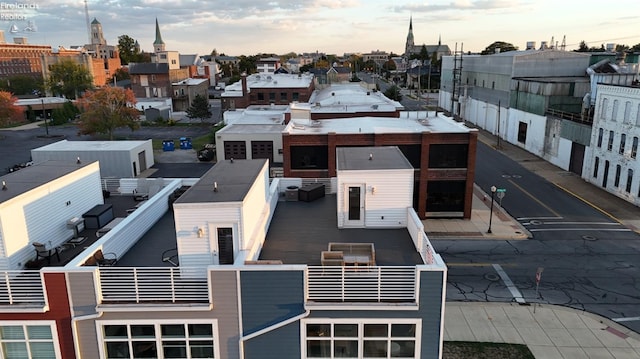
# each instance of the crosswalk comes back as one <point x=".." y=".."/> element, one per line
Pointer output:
<point x="559" y="224"/>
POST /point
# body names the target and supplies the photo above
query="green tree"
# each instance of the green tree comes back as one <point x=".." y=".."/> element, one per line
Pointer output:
<point x="503" y="46"/>
<point x="64" y="114"/>
<point x="10" y="113"/>
<point x="69" y="79"/>
<point x="247" y="64"/>
<point x="106" y="109"/>
<point x="120" y="74"/>
<point x="199" y="108"/>
<point x="393" y="93"/>
<point x="214" y="52"/>
<point x="22" y="85"/>
<point x="635" y="48"/>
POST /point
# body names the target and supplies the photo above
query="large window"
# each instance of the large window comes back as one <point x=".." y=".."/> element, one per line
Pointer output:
<point x="149" y="339"/>
<point x="309" y="157"/>
<point x="445" y="196"/>
<point x="623" y="141"/>
<point x="370" y="338"/>
<point x="634" y="147"/>
<point x="617" y="179"/>
<point x="600" y="135"/>
<point x="596" y="167"/>
<point x="610" y="142"/>
<point x="614" y="112"/>
<point x="627" y="112"/>
<point x="629" y="180"/>
<point x="448" y="156"/>
<point x="29" y="341"/>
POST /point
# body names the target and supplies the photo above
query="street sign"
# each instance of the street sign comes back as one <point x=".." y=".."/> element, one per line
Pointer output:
<point x="500" y="195"/>
<point x="499" y="190"/>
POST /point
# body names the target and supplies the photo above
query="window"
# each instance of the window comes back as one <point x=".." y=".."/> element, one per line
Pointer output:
<point x="600" y="133"/>
<point x="448" y="156"/>
<point x="616" y="182"/>
<point x="596" y="166"/>
<point x="148" y="339"/>
<point x="295" y="96"/>
<point x="610" y="143"/>
<point x="30" y="341"/>
<point x="260" y="96"/>
<point x="629" y="180"/>
<point x="614" y="113"/>
<point x="309" y="157"/>
<point x="283" y="96"/>
<point x="603" y="108"/>
<point x="638" y="116"/>
<point x="623" y="140"/>
<point x="370" y="338"/>
<point x="272" y="96"/>
<point x="634" y="147"/>
<point x="153" y="78"/>
<point x="627" y="112"/>
<point x="522" y="132"/>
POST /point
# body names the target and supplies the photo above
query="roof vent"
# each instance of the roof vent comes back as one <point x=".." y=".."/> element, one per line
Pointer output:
<point x="333" y="94"/>
<point x="375" y="107"/>
<point x="268" y="77"/>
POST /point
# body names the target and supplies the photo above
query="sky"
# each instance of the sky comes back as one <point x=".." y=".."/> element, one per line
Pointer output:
<point x="249" y="27"/>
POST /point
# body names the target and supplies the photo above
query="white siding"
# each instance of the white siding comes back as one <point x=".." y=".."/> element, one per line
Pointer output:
<point x="189" y="217"/>
<point x="41" y="214"/>
<point x="387" y="193"/>
<point x="536" y="128"/>
<point x="254" y="208"/>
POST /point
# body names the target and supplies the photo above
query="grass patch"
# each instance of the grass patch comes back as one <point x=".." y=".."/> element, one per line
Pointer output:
<point x="482" y="350"/>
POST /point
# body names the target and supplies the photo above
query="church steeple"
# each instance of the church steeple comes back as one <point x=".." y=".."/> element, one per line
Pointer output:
<point x="158" y="45"/>
<point x="409" y="44"/>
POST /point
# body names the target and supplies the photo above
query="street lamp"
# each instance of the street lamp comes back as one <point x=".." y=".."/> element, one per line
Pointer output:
<point x="493" y="193"/>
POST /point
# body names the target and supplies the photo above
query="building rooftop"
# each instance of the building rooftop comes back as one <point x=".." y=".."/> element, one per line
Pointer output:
<point x="227" y="181"/>
<point x="190" y="82"/>
<point x="19" y="182"/>
<point x="148" y="68"/>
<point x="251" y="128"/>
<point x="83" y="146"/>
<point x="269" y="81"/>
<point x="414" y="122"/>
<point x="371" y="158"/>
<point x="341" y="98"/>
<point x="256" y="114"/>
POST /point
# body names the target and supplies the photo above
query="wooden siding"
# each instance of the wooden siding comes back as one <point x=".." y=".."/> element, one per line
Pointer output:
<point x="386" y="206"/>
<point x="270" y="297"/>
<point x="41" y="214"/>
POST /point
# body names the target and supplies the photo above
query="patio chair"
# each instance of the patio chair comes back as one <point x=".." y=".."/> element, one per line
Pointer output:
<point x="105" y="259"/>
<point x="44" y="253"/>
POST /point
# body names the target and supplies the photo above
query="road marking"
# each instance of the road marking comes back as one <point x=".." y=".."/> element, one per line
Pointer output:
<point x="594" y="223"/>
<point x="507" y="281"/>
<point x="628" y="319"/>
<point x="587" y="202"/>
<point x="535" y="198"/>
<point x="580" y="229"/>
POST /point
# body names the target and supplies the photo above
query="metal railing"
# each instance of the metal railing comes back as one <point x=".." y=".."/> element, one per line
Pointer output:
<point x="121" y="285"/>
<point x="23" y="287"/>
<point x="361" y="284"/>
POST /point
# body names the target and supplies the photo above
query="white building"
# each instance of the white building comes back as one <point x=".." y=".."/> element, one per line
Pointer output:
<point x="611" y="159"/>
<point x="37" y="202"/>
<point x="120" y="159"/>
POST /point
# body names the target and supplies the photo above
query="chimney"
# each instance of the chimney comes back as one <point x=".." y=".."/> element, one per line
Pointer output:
<point x="244" y="83"/>
<point x="531" y="45"/>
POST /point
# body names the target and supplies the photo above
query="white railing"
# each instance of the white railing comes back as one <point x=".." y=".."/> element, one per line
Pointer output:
<point x="21" y="288"/>
<point x="420" y="239"/>
<point x="157" y="285"/>
<point x="361" y="284"/>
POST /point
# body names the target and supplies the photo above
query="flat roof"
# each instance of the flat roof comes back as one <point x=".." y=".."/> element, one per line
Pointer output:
<point x="75" y="146"/>
<point x="278" y="81"/>
<point x="340" y="98"/>
<point x="252" y="128"/>
<point x="34" y="176"/>
<point x="232" y="179"/>
<point x="190" y="82"/>
<point x="422" y="122"/>
<point x="371" y="158"/>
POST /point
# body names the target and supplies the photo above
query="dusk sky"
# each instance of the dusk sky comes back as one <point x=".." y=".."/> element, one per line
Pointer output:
<point x="248" y="27"/>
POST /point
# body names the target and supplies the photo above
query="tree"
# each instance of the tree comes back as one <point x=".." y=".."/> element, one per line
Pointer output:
<point x="64" y="114"/>
<point x="129" y="52"/>
<point x="199" y="108"/>
<point x="120" y="74"/>
<point x="106" y="109"/>
<point x="22" y="85"/>
<point x="394" y="93"/>
<point x="9" y="112"/>
<point x="214" y="52"/>
<point x="68" y="78"/>
<point x="503" y="46"/>
<point x="635" y="48"/>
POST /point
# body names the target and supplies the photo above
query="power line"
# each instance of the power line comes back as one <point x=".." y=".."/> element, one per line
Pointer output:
<point x="605" y="40"/>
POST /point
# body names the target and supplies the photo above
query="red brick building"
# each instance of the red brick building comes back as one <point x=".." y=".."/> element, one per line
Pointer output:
<point x="442" y="151"/>
<point x="266" y="89"/>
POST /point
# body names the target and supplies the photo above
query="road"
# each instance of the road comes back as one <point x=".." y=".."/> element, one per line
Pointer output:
<point x="590" y="261"/>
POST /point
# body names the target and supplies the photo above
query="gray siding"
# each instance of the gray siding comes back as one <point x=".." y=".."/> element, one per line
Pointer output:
<point x="283" y="343"/>
<point x="270" y="297"/>
<point x="82" y="294"/>
<point x="225" y="306"/>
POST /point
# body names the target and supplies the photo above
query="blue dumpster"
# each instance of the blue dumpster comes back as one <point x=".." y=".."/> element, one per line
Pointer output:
<point x="185" y="143"/>
<point x="168" y="145"/>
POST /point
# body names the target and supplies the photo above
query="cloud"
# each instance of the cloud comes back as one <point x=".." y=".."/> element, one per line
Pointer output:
<point x="464" y="5"/>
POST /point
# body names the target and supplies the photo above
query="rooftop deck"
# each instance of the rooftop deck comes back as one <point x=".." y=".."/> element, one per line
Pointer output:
<point x="300" y="231"/>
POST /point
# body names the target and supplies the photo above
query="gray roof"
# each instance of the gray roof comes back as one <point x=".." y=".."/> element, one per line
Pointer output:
<point x="187" y="60"/>
<point x="31" y="177"/>
<point x="148" y="68"/>
<point x="371" y="158"/>
<point x="232" y="179"/>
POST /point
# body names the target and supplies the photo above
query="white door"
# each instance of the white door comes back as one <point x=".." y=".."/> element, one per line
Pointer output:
<point x="354" y="205"/>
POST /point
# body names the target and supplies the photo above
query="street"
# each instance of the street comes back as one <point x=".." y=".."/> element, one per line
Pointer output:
<point x="590" y="261"/>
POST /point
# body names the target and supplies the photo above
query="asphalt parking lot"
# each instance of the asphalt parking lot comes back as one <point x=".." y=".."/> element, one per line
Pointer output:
<point x="16" y="145"/>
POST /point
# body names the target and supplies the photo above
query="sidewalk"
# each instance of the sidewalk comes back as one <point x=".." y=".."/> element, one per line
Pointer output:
<point x="552" y="331"/>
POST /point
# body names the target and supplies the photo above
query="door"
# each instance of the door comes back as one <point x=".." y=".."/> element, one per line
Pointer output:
<point x="142" y="160"/>
<point x="222" y="250"/>
<point x="354" y="211"/>
<point x="262" y="149"/>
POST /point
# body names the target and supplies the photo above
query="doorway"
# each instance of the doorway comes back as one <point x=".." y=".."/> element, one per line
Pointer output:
<point x="354" y="211"/>
<point x="222" y="249"/>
